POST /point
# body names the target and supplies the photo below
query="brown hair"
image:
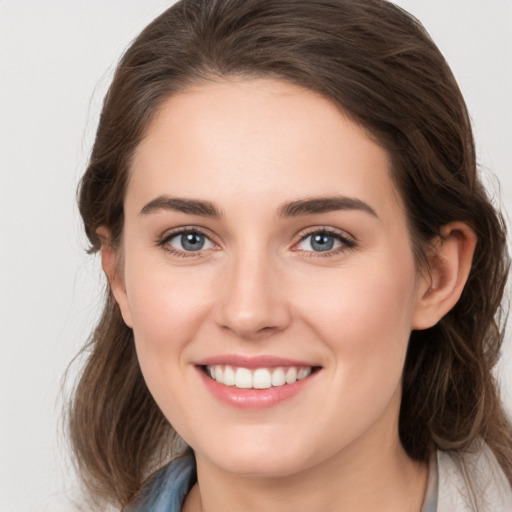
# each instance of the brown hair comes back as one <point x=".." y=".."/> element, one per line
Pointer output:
<point x="378" y="63"/>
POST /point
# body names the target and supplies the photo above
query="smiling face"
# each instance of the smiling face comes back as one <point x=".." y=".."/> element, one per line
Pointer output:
<point x="268" y="277"/>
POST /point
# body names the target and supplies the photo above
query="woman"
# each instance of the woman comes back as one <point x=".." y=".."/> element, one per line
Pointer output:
<point x="305" y="272"/>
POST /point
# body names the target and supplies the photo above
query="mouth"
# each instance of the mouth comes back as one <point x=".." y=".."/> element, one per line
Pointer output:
<point x="256" y="382"/>
<point x="257" y="378"/>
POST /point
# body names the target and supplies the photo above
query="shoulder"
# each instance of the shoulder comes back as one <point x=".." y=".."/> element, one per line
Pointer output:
<point x="472" y="482"/>
<point x="166" y="489"/>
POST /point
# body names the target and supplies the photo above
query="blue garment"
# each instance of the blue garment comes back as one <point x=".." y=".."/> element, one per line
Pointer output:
<point x="168" y="488"/>
<point x="466" y="482"/>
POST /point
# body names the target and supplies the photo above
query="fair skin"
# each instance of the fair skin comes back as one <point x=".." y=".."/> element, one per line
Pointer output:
<point x="227" y="262"/>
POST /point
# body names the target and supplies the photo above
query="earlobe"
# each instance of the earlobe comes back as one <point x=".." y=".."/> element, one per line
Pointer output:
<point x="110" y="265"/>
<point x="449" y="266"/>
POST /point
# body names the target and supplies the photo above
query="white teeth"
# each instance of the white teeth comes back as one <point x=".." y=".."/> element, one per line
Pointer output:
<point x="260" y="378"/>
<point x="278" y="378"/>
<point x="243" y="378"/>
<point x="291" y="375"/>
<point x="229" y="376"/>
<point x="303" y="373"/>
<point x="219" y="374"/>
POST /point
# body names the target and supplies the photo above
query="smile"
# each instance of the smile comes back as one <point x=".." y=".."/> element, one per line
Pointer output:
<point x="255" y="382"/>
<point x="257" y="378"/>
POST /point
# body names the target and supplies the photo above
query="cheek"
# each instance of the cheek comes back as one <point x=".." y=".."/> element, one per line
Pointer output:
<point x="365" y="318"/>
<point x="166" y="306"/>
<point x="168" y="309"/>
<point x="363" y="301"/>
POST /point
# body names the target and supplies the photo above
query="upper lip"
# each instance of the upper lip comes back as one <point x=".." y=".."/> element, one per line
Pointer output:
<point x="264" y="361"/>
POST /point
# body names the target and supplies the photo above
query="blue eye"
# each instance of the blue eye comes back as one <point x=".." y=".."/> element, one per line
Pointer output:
<point x="322" y="241"/>
<point x="188" y="241"/>
<point x="192" y="241"/>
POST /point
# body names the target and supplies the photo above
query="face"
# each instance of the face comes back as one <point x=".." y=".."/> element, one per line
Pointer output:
<point x="268" y="276"/>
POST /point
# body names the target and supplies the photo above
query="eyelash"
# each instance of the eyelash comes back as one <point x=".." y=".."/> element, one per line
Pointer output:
<point x="186" y="230"/>
<point x="347" y="242"/>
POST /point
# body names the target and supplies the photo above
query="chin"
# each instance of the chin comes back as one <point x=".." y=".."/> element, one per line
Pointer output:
<point x="258" y="457"/>
<point x="259" y="465"/>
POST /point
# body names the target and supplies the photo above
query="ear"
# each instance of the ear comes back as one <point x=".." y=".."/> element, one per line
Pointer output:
<point x="449" y="266"/>
<point x="111" y="264"/>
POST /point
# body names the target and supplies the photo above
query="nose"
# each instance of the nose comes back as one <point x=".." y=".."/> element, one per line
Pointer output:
<point x="253" y="302"/>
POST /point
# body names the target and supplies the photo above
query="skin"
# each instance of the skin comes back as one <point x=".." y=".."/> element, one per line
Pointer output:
<point x="258" y="288"/>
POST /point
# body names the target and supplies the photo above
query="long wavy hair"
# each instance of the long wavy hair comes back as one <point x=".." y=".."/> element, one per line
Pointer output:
<point x="380" y="66"/>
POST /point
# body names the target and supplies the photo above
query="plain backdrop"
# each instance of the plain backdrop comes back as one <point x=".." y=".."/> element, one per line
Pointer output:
<point x="56" y="60"/>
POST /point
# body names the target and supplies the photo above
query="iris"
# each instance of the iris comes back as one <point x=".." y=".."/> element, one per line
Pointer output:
<point x="192" y="241"/>
<point x="322" y="242"/>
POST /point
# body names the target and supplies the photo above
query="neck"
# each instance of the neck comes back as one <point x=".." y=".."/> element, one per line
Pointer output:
<point x="372" y="477"/>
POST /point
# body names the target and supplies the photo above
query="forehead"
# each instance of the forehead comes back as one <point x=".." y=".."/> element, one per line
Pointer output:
<point x="257" y="139"/>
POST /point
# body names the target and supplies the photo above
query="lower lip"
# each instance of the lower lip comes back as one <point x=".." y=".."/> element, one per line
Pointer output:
<point x="254" y="398"/>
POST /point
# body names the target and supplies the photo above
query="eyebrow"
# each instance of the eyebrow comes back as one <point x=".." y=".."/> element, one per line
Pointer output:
<point x="309" y="206"/>
<point x="190" y="206"/>
<point x="317" y="205"/>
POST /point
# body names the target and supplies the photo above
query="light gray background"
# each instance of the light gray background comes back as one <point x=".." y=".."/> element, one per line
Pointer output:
<point x="56" y="60"/>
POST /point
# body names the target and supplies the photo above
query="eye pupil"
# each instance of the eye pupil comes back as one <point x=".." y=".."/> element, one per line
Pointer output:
<point x="192" y="241"/>
<point x="322" y="242"/>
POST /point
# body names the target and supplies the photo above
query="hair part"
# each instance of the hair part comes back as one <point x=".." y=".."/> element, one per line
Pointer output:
<point x="378" y="64"/>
